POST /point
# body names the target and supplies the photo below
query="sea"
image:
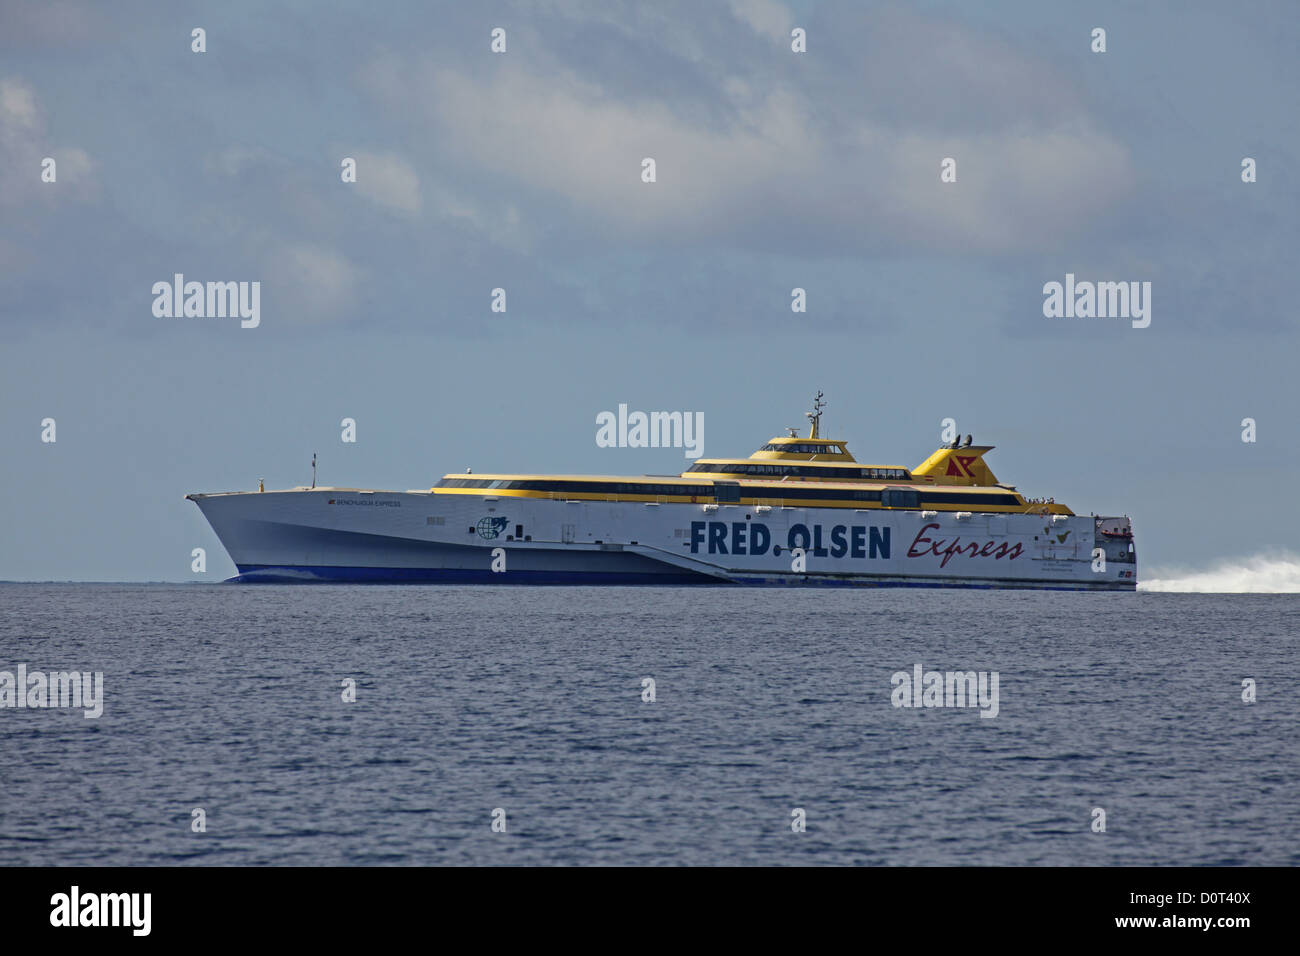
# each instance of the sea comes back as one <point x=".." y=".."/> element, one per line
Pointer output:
<point x="428" y="725"/>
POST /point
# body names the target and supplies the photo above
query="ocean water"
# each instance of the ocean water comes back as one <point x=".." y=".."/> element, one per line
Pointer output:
<point x="228" y="698"/>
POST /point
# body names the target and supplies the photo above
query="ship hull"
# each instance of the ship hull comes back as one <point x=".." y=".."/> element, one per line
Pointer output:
<point x="354" y="536"/>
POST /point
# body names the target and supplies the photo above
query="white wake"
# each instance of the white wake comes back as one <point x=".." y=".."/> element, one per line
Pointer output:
<point x="1277" y="573"/>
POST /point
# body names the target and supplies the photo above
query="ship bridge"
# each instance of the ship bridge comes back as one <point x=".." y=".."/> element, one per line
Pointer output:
<point x="801" y="459"/>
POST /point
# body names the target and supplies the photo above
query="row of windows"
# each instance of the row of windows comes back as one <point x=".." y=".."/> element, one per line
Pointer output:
<point x="802" y="471"/>
<point x="729" y="491"/>
<point x="586" y="487"/>
<point x="804" y="449"/>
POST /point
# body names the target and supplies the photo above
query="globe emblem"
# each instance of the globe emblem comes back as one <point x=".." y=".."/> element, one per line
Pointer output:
<point x="490" y="527"/>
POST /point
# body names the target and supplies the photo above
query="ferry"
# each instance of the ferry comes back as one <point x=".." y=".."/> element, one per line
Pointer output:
<point x="800" y="511"/>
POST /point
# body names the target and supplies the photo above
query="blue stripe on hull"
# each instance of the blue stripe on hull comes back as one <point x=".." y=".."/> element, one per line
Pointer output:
<point x="1007" y="585"/>
<point x="281" y="574"/>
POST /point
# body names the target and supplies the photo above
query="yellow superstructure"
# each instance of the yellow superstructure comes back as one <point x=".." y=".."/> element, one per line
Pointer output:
<point x="789" y="471"/>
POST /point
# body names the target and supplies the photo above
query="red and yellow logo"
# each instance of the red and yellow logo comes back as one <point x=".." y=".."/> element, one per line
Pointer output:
<point x="959" y="465"/>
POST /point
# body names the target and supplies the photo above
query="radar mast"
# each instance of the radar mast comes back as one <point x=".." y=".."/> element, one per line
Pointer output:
<point x="815" y="416"/>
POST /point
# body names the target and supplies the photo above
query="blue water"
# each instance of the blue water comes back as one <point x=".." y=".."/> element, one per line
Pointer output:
<point x="529" y="699"/>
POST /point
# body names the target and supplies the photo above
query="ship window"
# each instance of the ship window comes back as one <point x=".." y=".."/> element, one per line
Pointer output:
<point x="900" y="498"/>
<point x="726" y="491"/>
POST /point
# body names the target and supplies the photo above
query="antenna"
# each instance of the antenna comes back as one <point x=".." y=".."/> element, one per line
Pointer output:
<point x="815" y="416"/>
<point x="313" y="469"/>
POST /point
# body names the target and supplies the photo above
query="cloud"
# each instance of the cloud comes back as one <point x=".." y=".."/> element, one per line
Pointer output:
<point x="765" y="17"/>
<point x="236" y="160"/>
<point x="24" y="146"/>
<point x="388" y="180"/>
<point x="17" y="107"/>
<point x="559" y="135"/>
<point x="310" y="284"/>
<point x="835" y="152"/>
<point x="774" y="165"/>
<point x="48" y="24"/>
<point x="74" y="165"/>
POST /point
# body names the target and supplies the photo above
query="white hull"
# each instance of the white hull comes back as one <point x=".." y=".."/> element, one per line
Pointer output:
<point x="352" y="535"/>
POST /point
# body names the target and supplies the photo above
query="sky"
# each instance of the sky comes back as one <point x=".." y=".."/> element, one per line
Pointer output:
<point x="522" y="170"/>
